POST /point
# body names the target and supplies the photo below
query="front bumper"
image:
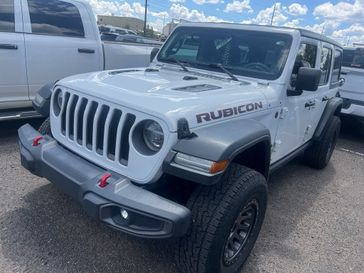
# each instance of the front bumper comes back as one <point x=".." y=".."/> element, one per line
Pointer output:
<point x="149" y="215"/>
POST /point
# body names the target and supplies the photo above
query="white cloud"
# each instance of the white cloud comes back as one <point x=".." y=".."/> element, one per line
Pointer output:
<point x="294" y="23"/>
<point x="297" y="9"/>
<point x="178" y="11"/>
<point x="138" y="8"/>
<point x="239" y="6"/>
<point x="264" y="17"/>
<point x="177" y="1"/>
<point x="342" y="11"/>
<point x="202" y="2"/>
<point x="352" y="34"/>
<point x="104" y="7"/>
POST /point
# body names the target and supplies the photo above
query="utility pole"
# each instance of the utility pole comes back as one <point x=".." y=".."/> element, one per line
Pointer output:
<point x="273" y="14"/>
<point x="145" y="17"/>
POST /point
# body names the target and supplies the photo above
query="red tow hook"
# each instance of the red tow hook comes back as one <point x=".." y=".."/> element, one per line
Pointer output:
<point x="36" y="140"/>
<point x="103" y="181"/>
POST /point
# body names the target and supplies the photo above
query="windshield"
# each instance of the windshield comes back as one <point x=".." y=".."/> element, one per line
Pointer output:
<point x="247" y="53"/>
<point x="354" y="58"/>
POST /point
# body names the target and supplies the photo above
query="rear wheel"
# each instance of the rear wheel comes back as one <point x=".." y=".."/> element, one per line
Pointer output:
<point x="227" y="218"/>
<point x="319" y="154"/>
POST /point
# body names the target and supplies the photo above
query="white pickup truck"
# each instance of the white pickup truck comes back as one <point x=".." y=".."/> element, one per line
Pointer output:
<point x="42" y="41"/>
<point x="352" y="91"/>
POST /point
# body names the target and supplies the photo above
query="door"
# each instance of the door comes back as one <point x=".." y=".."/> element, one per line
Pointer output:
<point x="330" y="65"/>
<point x="13" y="78"/>
<point x="60" y="41"/>
<point x="295" y="120"/>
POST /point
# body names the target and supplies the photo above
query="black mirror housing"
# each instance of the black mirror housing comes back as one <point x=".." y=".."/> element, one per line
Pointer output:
<point x="153" y="53"/>
<point x="308" y="79"/>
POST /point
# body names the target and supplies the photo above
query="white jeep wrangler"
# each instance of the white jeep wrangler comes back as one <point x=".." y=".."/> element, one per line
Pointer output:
<point x="184" y="147"/>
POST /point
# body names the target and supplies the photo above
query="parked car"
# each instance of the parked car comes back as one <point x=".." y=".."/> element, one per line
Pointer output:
<point x="184" y="147"/>
<point x="117" y="30"/>
<point x="352" y="91"/>
<point x="108" y="36"/>
<point x="42" y="41"/>
<point x="136" y="39"/>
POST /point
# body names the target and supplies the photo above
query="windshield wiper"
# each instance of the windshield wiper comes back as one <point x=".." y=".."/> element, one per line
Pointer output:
<point x="223" y="68"/>
<point x="179" y="63"/>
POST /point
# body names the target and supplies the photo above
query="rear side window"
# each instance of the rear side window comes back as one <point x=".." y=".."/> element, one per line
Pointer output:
<point x="354" y="58"/>
<point x="7" y="18"/>
<point x="56" y="18"/>
<point x="325" y="65"/>
<point x="337" y="66"/>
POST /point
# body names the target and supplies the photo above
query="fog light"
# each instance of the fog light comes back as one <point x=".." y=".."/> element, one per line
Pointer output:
<point x="124" y="214"/>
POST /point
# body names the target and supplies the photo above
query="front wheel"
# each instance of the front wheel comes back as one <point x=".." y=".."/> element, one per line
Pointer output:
<point x="227" y="218"/>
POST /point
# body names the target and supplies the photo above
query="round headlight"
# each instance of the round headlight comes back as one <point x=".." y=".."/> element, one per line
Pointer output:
<point x="58" y="101"/>
<point x="153" y="136"/>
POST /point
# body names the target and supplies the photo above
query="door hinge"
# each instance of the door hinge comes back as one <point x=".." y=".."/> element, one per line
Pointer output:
<point x="276" y="145"/>
<point x="283" y="113"/>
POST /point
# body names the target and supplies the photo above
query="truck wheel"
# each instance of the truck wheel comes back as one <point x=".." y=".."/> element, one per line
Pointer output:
<point x="227" y="218"/>
<point x="45" y="128"/>
<point x="318" y="155"/>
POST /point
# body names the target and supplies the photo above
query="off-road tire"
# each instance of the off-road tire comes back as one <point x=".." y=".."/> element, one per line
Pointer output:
<point x="45" y="128"/>
<point x="214" y="212"/>
<point x="319" y="153"/>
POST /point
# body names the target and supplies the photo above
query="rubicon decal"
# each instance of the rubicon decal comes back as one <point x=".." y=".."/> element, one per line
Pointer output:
<point x="228" y="112"/>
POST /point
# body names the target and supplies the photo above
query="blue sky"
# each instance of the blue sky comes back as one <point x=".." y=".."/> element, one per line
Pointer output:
<point x="342" y="20"/>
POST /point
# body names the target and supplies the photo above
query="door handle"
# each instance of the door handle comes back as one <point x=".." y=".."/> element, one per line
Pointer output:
<point x="86" y="50"/>
<point x="310" y="104"/>
<point x="325" y="98"/>
<point x="8" y="46"/>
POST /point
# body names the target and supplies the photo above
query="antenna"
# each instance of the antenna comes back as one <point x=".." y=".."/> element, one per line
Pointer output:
<point x="273" y="14"/>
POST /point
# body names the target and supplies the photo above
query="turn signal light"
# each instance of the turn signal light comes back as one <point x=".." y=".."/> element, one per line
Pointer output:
<point x="218" y="166"/>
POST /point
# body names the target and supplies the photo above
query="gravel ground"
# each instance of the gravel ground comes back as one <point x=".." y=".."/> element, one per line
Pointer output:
<point x="314" y="222"/>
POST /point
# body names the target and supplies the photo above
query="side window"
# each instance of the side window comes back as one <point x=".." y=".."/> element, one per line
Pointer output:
<point x="354" y="58"/>
<point x="7" y="18"/>
<point x="325" y="65"/>
<point x="337" y="66"/>
<point x="186" y="47"/>
<point x="56" y="18"/>
<point x="306" y="57"/>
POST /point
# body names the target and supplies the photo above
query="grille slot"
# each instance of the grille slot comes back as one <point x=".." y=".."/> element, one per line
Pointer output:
<point x="98" y="127"/>
<point x="124" y="147"/>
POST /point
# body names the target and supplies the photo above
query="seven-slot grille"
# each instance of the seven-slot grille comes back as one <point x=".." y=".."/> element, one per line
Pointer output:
<point x="96" y="126"/>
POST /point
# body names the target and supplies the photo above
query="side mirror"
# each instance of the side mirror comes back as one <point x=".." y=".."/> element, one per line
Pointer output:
<point x="308" y="79"/>
<point x="153" y="53"/>
<point x="341" y="82"/>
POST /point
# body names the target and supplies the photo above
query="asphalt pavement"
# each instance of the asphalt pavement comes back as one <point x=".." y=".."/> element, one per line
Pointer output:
<point x="314" y="221"/>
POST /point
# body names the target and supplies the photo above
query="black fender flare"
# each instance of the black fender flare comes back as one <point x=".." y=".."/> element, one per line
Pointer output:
<point x="41" y="102"/>
<point x="333" y="108"/>
<point x="222" y="141"/>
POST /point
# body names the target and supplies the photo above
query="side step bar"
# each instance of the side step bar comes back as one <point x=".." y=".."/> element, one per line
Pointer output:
<point x="22" y="114"/>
